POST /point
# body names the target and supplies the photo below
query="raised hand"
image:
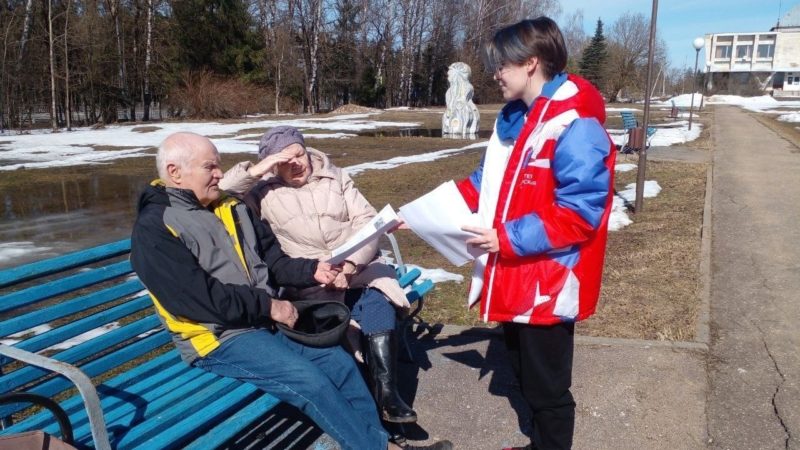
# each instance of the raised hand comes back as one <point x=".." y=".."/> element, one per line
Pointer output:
<point x="266" y="165"/>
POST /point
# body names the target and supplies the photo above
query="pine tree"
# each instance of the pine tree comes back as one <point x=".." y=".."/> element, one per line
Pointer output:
<point x="594" y="58"/>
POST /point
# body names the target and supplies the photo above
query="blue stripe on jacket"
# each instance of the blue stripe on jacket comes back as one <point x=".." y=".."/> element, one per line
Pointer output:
<point x="582" y="184"/>
<point x="476" y="176"/>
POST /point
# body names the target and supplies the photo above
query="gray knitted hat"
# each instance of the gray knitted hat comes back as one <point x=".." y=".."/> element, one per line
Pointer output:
<point x="277" y="139"/>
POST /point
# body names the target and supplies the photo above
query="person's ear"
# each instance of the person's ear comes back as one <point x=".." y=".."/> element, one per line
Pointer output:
<point x="530" y="64"/>
<point x="174" y="173"/>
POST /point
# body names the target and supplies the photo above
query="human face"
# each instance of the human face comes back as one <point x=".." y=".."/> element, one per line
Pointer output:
<point x="515" y="80"/>
<point x="296" y="171"/>
<point x="202" y="172"/>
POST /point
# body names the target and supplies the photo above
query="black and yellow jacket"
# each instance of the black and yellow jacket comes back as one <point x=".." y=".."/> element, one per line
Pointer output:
<point x="211" y="272"/>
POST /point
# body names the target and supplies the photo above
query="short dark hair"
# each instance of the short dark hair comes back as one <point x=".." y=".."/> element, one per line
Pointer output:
<point x="539" y="37"/>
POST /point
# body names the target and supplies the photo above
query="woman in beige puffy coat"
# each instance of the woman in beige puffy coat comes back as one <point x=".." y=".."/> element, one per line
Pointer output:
<point x="313" y="207"/>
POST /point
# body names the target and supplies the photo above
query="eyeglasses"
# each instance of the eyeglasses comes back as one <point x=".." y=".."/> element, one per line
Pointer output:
<point x="500" y="69"/>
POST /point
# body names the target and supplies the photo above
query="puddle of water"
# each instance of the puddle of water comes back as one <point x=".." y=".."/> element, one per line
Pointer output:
<point x="421" y="132"/>
<point x="64" y="215"/>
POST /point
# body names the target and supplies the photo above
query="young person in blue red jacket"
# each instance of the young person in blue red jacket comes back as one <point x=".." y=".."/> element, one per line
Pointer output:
<point x="544" y="192"/>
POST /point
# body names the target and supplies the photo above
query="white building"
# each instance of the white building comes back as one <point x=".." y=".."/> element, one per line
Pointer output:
<point x="768" y="61"/>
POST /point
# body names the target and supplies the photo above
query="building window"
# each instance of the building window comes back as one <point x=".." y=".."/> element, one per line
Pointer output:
<point x="766" y="50"/>
<point x="723" y="52"/>
<point x="744" y="51"/>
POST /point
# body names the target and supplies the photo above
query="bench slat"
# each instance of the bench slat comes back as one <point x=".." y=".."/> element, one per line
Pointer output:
<point x="55" y="288"/>
<point x="80" y="326"/>
<point x="233" y="425"/>
<point x="174" y="424"/>
<point x="52" y="265"/>
<point x="169" y="398"/>
<point x="139" y="379"/>
<point x="55" y="385"/>
<point x="42" y="316"/>
<point x="28" y="374"/>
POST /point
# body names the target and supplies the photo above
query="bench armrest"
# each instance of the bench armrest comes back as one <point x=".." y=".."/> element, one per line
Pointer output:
<point x="84" y="384"/>
<point x="397" y="256"/>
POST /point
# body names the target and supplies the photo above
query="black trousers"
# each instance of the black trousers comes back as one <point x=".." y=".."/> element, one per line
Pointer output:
<point x="541" y="357"/>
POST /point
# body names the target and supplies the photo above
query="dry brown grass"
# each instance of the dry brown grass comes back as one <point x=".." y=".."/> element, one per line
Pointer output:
<point x="650" y="280"/>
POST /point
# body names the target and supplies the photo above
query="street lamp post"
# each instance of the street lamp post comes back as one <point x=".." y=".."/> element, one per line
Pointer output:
<point x="698" y="44"/>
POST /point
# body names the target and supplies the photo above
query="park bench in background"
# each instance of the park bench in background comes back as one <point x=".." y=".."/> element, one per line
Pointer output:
<point x="133" y="390"/>
<point x="636" y="136"/>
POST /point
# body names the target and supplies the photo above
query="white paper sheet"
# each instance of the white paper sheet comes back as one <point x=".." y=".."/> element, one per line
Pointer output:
<point x="437" y="218"/>
<point x="384" y="221"/>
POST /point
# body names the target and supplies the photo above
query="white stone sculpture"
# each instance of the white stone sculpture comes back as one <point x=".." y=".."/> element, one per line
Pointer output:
<point x="461" y="117"/>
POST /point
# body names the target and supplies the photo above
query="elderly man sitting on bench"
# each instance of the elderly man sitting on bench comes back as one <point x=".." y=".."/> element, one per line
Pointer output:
<point x="212" y="270"/>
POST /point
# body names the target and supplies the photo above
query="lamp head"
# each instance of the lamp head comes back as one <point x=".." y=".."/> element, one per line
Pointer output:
<point x="698" y="43"/>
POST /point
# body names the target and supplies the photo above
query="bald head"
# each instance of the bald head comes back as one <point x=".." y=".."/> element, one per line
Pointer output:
<point x="190" y="161"/>
<point x="178" y="149"/>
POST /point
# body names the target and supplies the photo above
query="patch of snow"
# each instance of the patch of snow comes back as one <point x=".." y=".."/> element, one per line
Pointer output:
<point x="619" y="215"/>
<point x="791" y="117"/>
<point x="622" y="109"/>
<point x="436" y="275"/>
<point x="624" y="167"/>
<point x="619" y="211"/>
<point x="665" y="137"/>
<point x="651" y="189"/>
<point x="11" y="250"/>
<point x="757" y="104"/>
<point x="328" y="135"/>
<point x="44" y="149"/>
<point x="681" y="101"/>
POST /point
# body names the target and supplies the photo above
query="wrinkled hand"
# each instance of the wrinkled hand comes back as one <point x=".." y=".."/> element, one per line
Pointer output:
<point x="265" y="165"/>
<point x="283" y="311"/>
<point x="486" y="238"/>
<point x="326" y="273"/>
<point x="340" y="283"/>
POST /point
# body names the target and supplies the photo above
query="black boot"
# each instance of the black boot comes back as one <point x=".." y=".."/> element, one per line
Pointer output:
<point x="440" y="445"/>
<point x="382" y="366"/>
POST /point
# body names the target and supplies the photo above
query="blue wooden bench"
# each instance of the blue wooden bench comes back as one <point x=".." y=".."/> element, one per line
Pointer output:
<point x="125" y="388"/>
<point x="629" y="123"/>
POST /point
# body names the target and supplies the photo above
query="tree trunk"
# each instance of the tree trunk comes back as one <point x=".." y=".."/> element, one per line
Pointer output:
<point x="23" y="46"/>
<point x="147" y="58"/>
<point x="67" y="98"/>
<point x="53" y="113"/>
<point x="314" y="90"/>
<point x="120" y="54"/>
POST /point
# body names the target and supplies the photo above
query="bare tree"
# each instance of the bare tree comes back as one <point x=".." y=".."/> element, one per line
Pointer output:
<point x="51" y="47"/>
<point x="575" y="37"/>
<point x="67" y="97"/>
<point x="627" y="49"/>
<point x="309" y="14"/>
<point x="148" y="52"/>
<point x="114" y="9"/>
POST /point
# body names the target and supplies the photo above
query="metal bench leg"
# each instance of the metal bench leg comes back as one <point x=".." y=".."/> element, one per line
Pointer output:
<point x="84" y="384"/>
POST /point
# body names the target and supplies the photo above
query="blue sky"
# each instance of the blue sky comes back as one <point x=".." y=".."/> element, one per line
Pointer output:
<point x="680" y="21"/>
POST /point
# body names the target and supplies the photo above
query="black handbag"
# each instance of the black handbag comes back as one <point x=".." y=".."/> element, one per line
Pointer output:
<point x="319" y="323"/>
